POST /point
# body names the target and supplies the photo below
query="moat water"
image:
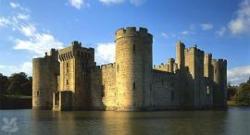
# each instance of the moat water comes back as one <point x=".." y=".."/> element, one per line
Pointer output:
<point x="234" y="121"/>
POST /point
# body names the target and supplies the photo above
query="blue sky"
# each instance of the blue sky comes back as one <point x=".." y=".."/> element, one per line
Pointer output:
<point x="28" y="28"/>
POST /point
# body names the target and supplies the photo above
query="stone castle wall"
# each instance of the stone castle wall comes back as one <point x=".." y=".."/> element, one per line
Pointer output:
<point x="45" y="71"/>
<point x="194" y="73"/>
<point x="107" y="84"/>
<point x="192" y="80"/>
<point x="164" y="94"/>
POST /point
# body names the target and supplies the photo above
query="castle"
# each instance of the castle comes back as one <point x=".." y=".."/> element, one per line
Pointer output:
<point x="69" y="79"/>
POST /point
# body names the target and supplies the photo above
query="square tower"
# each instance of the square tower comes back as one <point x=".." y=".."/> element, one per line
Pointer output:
<point x="75" y="65"/>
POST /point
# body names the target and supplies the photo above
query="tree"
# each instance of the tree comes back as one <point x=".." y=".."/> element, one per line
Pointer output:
<point x="243" y="96"/>
<point x="19" y="84"/>
<point x="231" y="92"/>
<point x="27" y="87"/>
<point x="3" y="84"/>
<point x="248" y="81"/>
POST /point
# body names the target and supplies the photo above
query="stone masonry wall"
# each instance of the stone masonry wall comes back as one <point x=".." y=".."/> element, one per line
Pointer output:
<point x="164" y="94"/>
<point x="131" y="83"/>
<point x="108" y="84"/>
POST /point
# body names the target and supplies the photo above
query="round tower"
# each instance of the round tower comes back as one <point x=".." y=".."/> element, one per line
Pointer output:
<point x="44" y="82"/>
<point x="220" y="80"/>
<point x="133" y="68"/>
<point x="41" y="94"/>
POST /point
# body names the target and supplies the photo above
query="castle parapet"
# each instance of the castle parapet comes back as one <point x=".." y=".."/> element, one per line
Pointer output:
<point x="107" y="66"/>
<point x="132" y="32"/>
<point x="76" y="50"/>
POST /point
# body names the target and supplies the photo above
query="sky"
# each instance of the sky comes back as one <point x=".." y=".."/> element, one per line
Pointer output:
<point x="28" y="28"/>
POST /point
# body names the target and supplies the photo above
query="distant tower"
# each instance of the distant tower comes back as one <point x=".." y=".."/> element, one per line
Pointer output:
<point x="195" y="63"/>
<point x="133" y="68"/>
<point x="208" y="66"/>
<point x="180" y="58"/>
<point x="220" y="80"/>
<point x="75" y="65"/>
<point x="45" y="72"/>
<point x="192" y="62"/>
<point x="171" y="63"/>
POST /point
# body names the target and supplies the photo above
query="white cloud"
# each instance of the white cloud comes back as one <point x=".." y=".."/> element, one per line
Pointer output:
<point x="24" y="67"/>
<point x="4" y="22"/>
<point x="33" y="40"/>
<point x="108" y="2"/>
<point x="17" y="6"/>
<point x="78" y="4"/>
<point x="38" y="43"/>
<point x="133" y="2"/>
<point x="237" y="26"/>
<point x="105" y="53"/>
<point x="206" y="26"/>
<point x="14" y="5"/>
<point x="187" y="32"/>
<point x="23" y="16"/>
<point x="241" y="23"/>
<point x="221" y="31"/>
<point x="168" y="35"/>
<point x="165" y="35"/>
<point x="137" y="2"/>
<point x="28" y="30"/>
<point x="238" y="75"/>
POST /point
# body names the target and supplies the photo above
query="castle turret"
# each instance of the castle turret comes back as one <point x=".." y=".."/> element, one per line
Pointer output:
<point x="196" y="62"/>
<point x="75" y="64"/>
<point x="180" y="58"/>
<point x="216" y="74"/>
<point x="220" y="80"/>
<point x="192" y="61"/>
<point x="44" y="83"/>
<point x="208" y="66"/>
<point x="171" y="63"/>
<point x="133" y="68"/>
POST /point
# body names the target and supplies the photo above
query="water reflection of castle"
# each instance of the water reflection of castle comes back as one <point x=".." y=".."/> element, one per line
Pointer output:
<point x="75" y="82"/>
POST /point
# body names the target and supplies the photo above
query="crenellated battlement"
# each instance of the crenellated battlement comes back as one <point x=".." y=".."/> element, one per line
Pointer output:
<point x="131" y="83"/>
<point x="162" y="65"/>
<point x="132" y="32"/>
<point x="66" y="55"/>
<point x="208" y="55"/>
<point x="75" y="50"/>
<point x="221" y="63"/>
<point x="222" y="60"/>
<point x="170" y="66"/>
<point x="107" y="66"/>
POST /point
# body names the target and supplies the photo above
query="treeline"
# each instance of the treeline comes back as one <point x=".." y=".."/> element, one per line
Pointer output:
<point x="17" y="84"/>
<point x="240" y="95"/>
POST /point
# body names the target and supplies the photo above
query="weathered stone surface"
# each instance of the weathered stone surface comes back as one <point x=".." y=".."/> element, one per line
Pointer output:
<point x="192" y="80"/>
<point x="45" y="71"/>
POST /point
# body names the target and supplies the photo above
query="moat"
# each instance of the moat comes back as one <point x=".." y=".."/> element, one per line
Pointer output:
<point x="234" y="121"/>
